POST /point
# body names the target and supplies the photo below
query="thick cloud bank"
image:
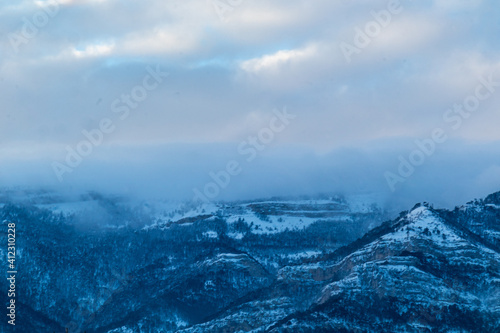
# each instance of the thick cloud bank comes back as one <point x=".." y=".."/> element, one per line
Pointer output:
<point x="259" y="98"/>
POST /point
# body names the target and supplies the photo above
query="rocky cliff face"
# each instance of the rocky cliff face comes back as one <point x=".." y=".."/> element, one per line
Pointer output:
<point x="311" y="265"/>
<point x="423" y="274"/>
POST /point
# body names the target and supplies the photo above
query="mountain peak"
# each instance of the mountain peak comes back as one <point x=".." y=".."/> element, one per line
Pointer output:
<point x="493" y="198"/>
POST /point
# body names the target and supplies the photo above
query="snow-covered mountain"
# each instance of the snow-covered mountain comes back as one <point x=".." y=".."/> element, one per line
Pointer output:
<point x="324" y="264"/>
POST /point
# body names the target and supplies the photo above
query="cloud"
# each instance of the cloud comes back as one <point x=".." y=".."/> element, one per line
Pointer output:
<point x="93" y="50"/>
<point x="226" y="77"/>
<point x="457" y="173"/>
<point x="454" y="5"/>
<point x="273" y="62"/>
<point x="159" y="41"/>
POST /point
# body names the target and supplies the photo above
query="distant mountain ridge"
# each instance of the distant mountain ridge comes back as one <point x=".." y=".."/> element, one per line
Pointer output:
<point x="311" y="265"/>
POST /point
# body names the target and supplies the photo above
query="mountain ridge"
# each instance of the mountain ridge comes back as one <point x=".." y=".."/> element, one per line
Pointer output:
<point x="230" y="270"/>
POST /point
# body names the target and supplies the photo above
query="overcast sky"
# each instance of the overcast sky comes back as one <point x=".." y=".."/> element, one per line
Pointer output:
<point x="360" y="92"/>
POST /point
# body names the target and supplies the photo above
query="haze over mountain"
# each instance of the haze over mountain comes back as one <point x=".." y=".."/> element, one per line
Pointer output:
<point x="217" y="78"/>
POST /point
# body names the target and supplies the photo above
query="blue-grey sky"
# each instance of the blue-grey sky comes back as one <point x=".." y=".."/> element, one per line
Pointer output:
<point x="363" y="80"/>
